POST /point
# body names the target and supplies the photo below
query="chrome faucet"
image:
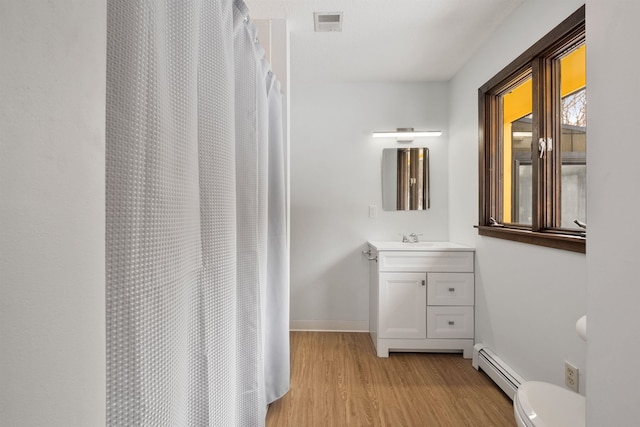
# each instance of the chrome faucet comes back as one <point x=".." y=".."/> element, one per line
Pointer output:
<point x="411" y="238"/>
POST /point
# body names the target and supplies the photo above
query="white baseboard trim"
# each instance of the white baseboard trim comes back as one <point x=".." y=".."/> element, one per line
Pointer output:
<point x="330" y="325"/>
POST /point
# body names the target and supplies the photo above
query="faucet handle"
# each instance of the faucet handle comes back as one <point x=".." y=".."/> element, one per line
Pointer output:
<point x="414" y="237"/>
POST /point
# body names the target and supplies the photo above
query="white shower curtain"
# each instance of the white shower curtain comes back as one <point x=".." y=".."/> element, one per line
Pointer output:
<point x="197" y="291"/>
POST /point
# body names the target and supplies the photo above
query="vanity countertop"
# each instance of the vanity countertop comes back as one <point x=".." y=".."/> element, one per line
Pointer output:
<point x="420" y="246"/>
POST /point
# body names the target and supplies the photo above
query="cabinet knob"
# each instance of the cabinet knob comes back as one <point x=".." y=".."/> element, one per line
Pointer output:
<point x="452" y="289"/>
<point x="451" y="322"/>
<point x="424" y="283"/>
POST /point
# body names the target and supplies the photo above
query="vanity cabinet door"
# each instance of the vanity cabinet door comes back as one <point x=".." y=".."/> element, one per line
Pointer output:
<point x="403" y="305"/>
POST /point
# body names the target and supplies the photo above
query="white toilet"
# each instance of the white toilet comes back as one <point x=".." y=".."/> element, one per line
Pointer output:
<point x="539" y="404"/>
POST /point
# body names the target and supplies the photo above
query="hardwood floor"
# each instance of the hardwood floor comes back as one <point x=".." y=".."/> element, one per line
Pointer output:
<point x="337" y="380"/>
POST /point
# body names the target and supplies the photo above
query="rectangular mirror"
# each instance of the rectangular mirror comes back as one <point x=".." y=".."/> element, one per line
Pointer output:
<point x="405" y="179"/>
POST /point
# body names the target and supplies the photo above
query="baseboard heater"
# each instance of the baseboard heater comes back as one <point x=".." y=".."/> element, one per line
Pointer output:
<point x="505" y="377"/>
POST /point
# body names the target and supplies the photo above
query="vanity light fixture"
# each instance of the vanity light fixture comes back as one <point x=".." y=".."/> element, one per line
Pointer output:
<point x="406" y="134"/>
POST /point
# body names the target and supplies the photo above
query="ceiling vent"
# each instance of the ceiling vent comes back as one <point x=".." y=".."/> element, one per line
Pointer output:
<point x="326" y="22"/>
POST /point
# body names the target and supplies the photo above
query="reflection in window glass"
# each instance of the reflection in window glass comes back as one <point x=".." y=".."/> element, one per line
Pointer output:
<point x="516" y="150"/>
<point x="574" y="194"/>
<point x="573" y="138"/>
<point x="524" y="187"/>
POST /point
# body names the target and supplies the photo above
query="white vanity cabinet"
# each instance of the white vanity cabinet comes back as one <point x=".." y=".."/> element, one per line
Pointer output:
<point x="421" y="297"/>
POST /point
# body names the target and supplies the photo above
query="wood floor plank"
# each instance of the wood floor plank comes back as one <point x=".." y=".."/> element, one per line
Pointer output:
<point x="337" y="380"/>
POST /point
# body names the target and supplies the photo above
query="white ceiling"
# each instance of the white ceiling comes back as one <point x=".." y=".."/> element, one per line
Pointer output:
<point x="386" y="40"/>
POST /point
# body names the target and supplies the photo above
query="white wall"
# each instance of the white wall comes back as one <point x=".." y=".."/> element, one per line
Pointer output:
<point x="528" y="298"/>
<point x="613" y="176"/>
<point x="336" y="175"/>
<point x="52" y="112"/>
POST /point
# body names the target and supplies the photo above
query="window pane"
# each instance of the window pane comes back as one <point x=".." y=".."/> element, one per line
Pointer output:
<point x="574" y="194"/>
<point x="516" y="154"/>
<point x="573" y="139"/>
<point x="524" y="186"/>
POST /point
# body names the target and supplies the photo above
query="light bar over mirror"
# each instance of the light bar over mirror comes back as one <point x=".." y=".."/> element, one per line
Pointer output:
<point x="406" y="134"/>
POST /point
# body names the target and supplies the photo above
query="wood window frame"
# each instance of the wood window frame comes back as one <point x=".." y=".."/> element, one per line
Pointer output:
<point x="540" y="62"/>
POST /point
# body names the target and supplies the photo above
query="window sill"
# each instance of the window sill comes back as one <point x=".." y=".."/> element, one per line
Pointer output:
<point x="550" y="240"/>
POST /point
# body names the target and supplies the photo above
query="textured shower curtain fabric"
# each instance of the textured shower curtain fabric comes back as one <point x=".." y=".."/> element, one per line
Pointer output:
<point x="196" y="256"/>
<point x="250" y="220"/>
<point x="277" y="366"/>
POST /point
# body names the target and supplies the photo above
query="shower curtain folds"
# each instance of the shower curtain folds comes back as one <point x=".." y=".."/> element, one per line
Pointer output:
<point x="196" y="256"/>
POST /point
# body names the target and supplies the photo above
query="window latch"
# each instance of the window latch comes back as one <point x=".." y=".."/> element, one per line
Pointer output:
<point x="544" y="144"/>
<point x="494" y="223"/>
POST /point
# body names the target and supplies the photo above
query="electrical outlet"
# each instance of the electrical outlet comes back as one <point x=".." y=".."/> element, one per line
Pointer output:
<point x="571" y="376"/>
<point x="373" y="211"/>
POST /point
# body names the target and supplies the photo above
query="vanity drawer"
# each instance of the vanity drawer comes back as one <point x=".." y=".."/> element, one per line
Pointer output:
<point x="449" y="322"/>
<point x="450" y="289"/>
<point x="438" y="261"/>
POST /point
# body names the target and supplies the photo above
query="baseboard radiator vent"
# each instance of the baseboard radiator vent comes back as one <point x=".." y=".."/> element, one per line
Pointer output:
<point x="506" y="378"/>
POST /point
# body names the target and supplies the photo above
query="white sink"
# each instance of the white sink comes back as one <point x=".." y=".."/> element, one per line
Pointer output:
<point x="403" y="245"/>
<point x="420" y="246"/>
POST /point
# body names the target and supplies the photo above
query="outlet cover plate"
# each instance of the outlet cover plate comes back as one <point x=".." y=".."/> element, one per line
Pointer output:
<point x="571" y="376"/>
